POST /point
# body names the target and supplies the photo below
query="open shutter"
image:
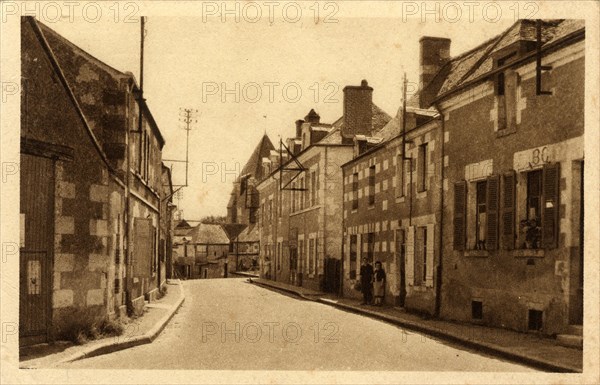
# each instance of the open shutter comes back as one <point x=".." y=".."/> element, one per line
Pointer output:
<point x="550" y="205"/>
<point x="460" y="206"/>
<point x="410" y="255"/>
<point x="508" y="210"/>
<point x="491" y="238"/>
<point x="430" y="254"/>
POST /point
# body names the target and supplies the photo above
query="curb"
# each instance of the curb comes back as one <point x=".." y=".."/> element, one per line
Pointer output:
<point x="148" y="337"/>
<point x="441" y="334"/>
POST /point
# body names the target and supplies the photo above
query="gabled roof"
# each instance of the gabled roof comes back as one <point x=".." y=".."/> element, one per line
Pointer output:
<point x="475" y="63"/>
<point x="254" y="164"/>
<point x="209" y="234"/>
<point x="250" y="234"/>
<point x="233" y="229"/>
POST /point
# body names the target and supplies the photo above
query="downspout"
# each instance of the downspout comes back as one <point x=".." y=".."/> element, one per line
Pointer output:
<point x="439" y="275"/>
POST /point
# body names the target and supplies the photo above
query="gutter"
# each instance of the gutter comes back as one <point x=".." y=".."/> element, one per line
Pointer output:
<point x="439" y="272"/>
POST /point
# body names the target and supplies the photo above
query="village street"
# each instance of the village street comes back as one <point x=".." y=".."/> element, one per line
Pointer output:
<point x="231" y="324"/>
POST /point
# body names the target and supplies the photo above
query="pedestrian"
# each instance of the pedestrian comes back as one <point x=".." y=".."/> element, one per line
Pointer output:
<point x="378" y="284"/>
<point x="366" y="281"/>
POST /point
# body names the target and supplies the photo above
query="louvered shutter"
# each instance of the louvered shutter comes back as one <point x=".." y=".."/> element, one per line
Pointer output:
<point x="550" y="205"/>
<point x="460" y="206"/>
<point x="491" y="238"/>
<point x="430" y="254"/>
<point x="508" y="210"/>
<point x="410" y="255"/>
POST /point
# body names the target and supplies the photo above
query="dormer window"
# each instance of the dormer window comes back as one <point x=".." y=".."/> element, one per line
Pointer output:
<point x="507" y="82"/>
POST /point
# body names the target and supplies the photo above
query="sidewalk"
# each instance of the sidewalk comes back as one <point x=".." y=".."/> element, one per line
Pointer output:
<point x="139" y="331"/>
<point x="529" y="349"/>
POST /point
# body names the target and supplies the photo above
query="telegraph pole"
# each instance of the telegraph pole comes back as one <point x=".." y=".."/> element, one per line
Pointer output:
<point x="188" y="116"/>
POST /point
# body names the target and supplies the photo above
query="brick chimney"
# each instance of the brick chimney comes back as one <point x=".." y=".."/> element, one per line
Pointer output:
<point x="358" y="110"/>
<point x="434" y="54"/>
<point x="299" y="127"/>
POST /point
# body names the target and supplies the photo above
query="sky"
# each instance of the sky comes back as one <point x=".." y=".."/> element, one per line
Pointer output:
<point x="245" y="79"/>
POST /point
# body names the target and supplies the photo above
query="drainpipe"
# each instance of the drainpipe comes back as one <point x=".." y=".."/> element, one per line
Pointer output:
<point x="438" y="286"/>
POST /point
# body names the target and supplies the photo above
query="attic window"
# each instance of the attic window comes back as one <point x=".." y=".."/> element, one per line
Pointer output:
<point x="500" y="89"/>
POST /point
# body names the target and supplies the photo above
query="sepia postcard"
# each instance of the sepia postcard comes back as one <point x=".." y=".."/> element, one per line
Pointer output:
<point x="313" y="192"/>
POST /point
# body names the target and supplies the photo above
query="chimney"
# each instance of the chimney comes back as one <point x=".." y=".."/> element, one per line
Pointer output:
<point x="312" y="117"/>
<point x="434" y="54"/>
<point x="299" y="127"/>
<point x="358" y="110"/>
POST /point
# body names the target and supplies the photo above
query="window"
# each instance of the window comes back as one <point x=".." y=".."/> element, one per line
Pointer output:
<point x="369" y="246"/>
<point x="251" y="215"/>
<point x="480" y="215"/>
<point x="313" y="185"/>
<point x="371" y="185"/>
<point x="400" y="175"/>
<point x="353" y="256"/>
<point x="476" y="310"/>
<point x="355" y="191"/>
<point x="311" y="256"/>
<point x="535" y="319"/>
<point x="278" y="255"/>
<point x="422" y="172"/>
<point x="270" y="209"/>
<point x="301" y="195"/>
<point x="420" y="263"/>
<point x="539" y="226"/>
<point x="307" y="199"/>
<point x="293" y="196"/>
<point x="506" y="94"/>
<point x="301" y="250"/>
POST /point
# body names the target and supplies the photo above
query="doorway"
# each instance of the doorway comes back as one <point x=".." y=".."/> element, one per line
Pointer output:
<point x="36" y="248"/>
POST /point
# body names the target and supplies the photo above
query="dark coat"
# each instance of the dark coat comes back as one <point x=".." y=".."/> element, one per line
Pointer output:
<point x="366" y="274"/>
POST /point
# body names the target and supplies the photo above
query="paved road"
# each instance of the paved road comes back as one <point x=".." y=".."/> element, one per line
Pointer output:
<point x="231" y="324"/>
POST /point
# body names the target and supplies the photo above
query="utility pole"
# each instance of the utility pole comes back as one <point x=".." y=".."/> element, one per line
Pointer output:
<point x="188" y="116"/>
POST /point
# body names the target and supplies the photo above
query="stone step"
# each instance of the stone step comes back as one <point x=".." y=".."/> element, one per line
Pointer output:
<point x="570" y="340"/>
<point x="576" y="330"/>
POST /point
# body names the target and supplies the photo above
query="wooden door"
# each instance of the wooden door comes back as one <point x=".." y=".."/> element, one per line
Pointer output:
<point x="36" y="249"/>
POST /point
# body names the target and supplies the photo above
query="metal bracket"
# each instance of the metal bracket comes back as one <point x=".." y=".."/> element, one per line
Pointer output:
<point x="298" y="170"/>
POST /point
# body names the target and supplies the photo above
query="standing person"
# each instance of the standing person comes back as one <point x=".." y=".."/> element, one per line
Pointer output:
<point x="379" y="284"/>
<point x="366" y="280"/>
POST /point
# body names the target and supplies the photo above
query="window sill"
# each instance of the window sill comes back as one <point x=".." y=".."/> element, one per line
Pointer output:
<point x="400" y="199"/>
<point x="371" y="207"/>
<point x="477" y="253"/>
<point x="305" y="210"/>
<point x="529" y="253"/>
<point x="353" y="211"/>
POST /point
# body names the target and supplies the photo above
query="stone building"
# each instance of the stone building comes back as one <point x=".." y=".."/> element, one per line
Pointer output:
<point x="75" y="263"/>
<point x="301" y="199"/>
<point x="513" y="177"/>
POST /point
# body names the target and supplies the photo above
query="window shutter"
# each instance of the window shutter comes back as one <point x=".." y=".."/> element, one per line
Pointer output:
<point x="508" y="211"/>
<point x="491" y="238"/>
<point x="550" y="202"/>
<point x="460" y="197"/>
<point x="430" y="254"/>
<point x="410" y="255"/>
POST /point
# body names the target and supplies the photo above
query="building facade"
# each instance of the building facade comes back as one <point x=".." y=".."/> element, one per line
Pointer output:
<point x="392" y="212"/>
<point x="301" y="199"/>
<point x="74" y="254"/>
<point x="513" y="179"/>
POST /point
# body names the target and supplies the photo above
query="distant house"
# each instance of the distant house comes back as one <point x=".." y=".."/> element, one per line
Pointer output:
<point x="201" y="251"/>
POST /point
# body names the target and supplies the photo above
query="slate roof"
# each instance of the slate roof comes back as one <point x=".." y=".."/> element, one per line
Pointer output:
<point x="380" y="120"/>
<point x="249" y="234"/>
<point x="233" y="229"/>
<point x="478" y="61"/>
<point x="209" y="234"/>
<point x="254" y="164"/>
